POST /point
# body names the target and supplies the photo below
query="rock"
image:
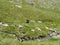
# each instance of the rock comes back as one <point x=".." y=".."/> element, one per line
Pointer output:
<point x="51" y="29"/>
<point x="38" y="28"/>
<point x="25" y="38"/>
<point x="39" y="21"/>
<point x="47" y="27"/>
<point x="31" y="2"/>
<point x="56" y="37"/>
<point x="53" y="34"/>
<point x="40" y="37"/>
<point x="20" y="26"/>
<point x="5" y="25"/>
<point x="0" y="23"/>
<point x="32" y="30"/>
<point x="18" y="6"/>
<point x="33" y="21"/>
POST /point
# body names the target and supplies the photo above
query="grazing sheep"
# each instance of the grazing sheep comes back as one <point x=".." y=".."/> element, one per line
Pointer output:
<point x="51" y="29"/>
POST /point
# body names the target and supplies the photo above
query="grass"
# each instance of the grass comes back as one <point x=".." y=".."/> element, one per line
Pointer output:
<point x="13" y="15"/>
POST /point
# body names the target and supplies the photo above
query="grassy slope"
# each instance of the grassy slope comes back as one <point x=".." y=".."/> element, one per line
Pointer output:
<point x="11" y="14"/>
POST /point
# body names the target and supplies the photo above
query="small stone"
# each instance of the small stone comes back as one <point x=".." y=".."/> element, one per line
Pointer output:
<point x="38" y="39"/>
<point x="5" y="25"/>
<point x="33" y="21"/>
<point x="18" y="6"/>
<point x="38" y="28"/>
<point x="0" y="23"/>
<point x="53" y="34"/>
<point x="51" y="29"/>
<point x="56" y="37"/>
<point x="46" y="27"/>
<point x="32" y="30"/>
<point x="20" y="26"/>
<point x="39" y="21"/>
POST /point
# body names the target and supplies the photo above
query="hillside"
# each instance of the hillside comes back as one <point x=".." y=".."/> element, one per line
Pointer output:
<point x="31" y="18"/>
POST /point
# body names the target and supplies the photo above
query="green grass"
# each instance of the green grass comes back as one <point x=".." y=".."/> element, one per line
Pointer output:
<point x="13" y="15"/>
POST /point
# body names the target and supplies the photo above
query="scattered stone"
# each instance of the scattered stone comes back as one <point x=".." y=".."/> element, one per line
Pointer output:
<point x="28" y="1"/>
<point x="33" y="21"/>
<point x="47" y="27"/>
<point x="14" y="35"/>
<point x="20" y="26"/>
<point x="0" y="23"/>
<point x="38" y="28"/>
<point x="51" y="29"/>
<point x="53" y="34"/>
<point x="18" y="6"/>
<point x="39" y="21"/>
<point x="25" y="38"/>
<point x="5" y="25"/>
<point x="32" y="30"/>
<point x="40" y="37"/>
<point x="57" y="36"/>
